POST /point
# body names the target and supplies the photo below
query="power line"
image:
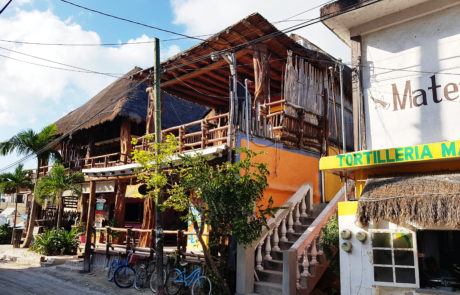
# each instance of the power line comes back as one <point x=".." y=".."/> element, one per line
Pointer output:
<point x="274" y="34"/>
<point x="59" y="63"/>
<point x="303" y="12"/>
<point x="95" y="44"/>
<point x="132" y="21"/>
<point x="4" y="7"/>
<point x="63" y="136"/>
<point x="45" y="66"/>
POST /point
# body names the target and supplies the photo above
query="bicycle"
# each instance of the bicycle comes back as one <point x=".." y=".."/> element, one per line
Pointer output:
<point x="177" y="279"/>
<point x="146" y="273"/>
<point x="121" y="273"/>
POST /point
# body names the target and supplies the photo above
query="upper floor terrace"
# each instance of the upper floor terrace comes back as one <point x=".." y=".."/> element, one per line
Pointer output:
<point x="287" y="91"/>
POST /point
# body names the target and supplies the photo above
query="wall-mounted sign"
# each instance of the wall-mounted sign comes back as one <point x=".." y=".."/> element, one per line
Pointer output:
<point x="416" y="153"/>
<point x="101" y="187"/>
<point x="411" y="82"/>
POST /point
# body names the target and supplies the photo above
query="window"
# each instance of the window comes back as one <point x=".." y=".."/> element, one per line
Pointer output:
<point x="439" y="259"/>
<point x="394" y="258"/>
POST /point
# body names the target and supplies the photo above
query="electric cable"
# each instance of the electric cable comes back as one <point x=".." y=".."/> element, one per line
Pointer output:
<point x="132" y="21"/>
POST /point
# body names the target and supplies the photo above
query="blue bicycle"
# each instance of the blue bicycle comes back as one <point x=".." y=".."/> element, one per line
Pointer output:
<point x="121" y="273"/>
<point x="177" y="279"/>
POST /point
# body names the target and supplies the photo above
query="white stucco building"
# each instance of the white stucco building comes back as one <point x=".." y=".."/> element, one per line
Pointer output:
<point x="404" y="231"/>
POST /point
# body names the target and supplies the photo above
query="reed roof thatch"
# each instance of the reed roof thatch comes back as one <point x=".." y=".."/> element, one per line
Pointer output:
<point x="421" y="200"/>
<point x="128" y="98"/>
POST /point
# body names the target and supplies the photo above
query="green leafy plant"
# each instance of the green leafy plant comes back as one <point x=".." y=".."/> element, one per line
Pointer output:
<point x="330" y="243"/>
<point x="56" y="242"/>
<point x="6" y="231"/>
<point x="52" y="187"/>
<point x="28" y="142"/>
<point x="226" y="197"/>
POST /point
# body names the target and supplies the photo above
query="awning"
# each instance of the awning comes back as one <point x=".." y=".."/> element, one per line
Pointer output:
<point x="420" y="200"/>
<point x="101" y="187"/>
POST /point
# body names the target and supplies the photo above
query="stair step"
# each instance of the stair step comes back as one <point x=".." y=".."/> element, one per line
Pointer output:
<point x="294" y="236"/>
<point x="277" y="255"/>
<point x="307" y="220"/>
<point x="286" y="245"/>
<point x="268" y="288"/>
<point x="273" y="264"/>
<point x="272" y="276"/>
<point x="301" y="228"/>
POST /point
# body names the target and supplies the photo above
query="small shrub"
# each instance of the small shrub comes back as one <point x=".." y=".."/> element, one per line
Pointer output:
<point x="56" y="242"/>
<point x="330" y="243"/>
<point x="6" y="232"/>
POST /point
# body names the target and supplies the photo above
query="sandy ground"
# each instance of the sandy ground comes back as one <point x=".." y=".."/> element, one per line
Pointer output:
<point x="20" y="273"/>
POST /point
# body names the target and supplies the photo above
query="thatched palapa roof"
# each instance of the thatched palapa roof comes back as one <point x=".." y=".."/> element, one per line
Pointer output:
<point x="421" y="200"/>
<point x="128" y="98"/>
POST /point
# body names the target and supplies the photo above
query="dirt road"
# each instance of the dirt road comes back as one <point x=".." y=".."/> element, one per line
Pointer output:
<point x="21" y="274"/>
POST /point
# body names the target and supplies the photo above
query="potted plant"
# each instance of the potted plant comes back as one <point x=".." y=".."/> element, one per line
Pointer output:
<point x="81" y="229"/>
<point x="113" y="222"/>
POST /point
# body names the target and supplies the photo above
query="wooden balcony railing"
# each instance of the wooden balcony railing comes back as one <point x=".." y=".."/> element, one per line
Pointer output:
<point x="199" y="134"/>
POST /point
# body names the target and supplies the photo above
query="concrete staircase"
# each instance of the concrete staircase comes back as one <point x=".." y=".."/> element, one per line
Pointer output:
<point x="270" y="278"/>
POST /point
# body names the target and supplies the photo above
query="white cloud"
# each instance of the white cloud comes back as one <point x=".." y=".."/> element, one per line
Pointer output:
<point x="33" y="96"/>
<point x="211" y="16"/>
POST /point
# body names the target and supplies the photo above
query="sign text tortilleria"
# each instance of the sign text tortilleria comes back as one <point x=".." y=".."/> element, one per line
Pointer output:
<point x="423" y="152"/>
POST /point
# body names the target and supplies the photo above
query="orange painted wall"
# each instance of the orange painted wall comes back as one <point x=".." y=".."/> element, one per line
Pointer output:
<point x="332" y="182"/>
<point x="288" y="171"/>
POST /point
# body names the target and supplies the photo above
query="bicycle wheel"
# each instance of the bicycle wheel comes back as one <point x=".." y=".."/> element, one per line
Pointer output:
<point x="202" y="286"/>
<point x="153" y="280"/>
<point x="174" y="282"/>
<point x="112" y="268"/>
<point x="124" y="276"/>
<point x="141" y="279"/>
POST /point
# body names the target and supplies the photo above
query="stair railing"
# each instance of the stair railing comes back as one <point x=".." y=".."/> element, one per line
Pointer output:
<point x="300" y="262"/>
<point x="298" y="205"/>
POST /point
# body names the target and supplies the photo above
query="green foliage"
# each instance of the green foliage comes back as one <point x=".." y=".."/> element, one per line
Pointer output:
<point x="81" y="228"/>
<point x="225" y="196"/>
<point x="330" y="243"/>
<point x="10" y="183"/>
<point x="6" y="231"/>
<point x="56" y="242"/>
<point x="28" y="142"/>
<point x="52" y="186"/>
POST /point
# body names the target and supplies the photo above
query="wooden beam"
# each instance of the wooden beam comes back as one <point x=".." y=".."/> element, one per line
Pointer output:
<point x="89" y="227"/>
<point x="120" y="203"/>
<point x="261" y="73"/>
<point x="217" y="64"/>
<point x="125" y="140"/>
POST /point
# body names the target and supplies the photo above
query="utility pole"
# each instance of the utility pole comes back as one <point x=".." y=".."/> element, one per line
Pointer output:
<point x="344" y="146"/>
<point x="158" y="214"/>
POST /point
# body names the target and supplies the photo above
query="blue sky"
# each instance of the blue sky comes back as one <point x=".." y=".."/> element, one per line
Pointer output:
<point x="32" y="96"/>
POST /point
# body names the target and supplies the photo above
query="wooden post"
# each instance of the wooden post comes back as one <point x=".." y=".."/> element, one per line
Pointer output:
<point x="125" y="141"/>
<point x="84" y="208"/>
<point x="89" y="226"/>
<point x="89" y="150"/>
<point x="120" y="203"/>
<point x="359" y="129"/>
<point x="261" y="73"/>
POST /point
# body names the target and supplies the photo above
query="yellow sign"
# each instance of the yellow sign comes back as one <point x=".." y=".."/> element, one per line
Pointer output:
<point x="416" y="153"/>
<point x="132" y="191"/>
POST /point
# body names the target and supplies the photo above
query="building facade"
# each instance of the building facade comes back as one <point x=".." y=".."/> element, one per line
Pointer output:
<point x="402" y="234"/>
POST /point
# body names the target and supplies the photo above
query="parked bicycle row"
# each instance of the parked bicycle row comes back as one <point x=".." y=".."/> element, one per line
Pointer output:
<point x="178" y="274"/>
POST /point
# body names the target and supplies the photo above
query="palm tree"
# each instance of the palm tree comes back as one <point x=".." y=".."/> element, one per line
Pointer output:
<point x="52" y="187"/>
<point x="28" y="142"/>
<point x="10" y="183"/>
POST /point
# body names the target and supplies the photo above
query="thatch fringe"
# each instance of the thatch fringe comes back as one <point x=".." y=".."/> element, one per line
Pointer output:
<point x="422" y="200"/>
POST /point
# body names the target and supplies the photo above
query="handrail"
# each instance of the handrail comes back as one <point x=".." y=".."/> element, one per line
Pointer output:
<point x="302" y="258"/>
<point x="287" y="208"/>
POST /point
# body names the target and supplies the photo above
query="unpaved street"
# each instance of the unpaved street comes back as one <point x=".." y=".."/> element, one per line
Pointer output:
<point x="20" y="273"/>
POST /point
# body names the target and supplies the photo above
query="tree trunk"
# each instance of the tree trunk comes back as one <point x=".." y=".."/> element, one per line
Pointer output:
<point x="15" y="208"/>
<point x="208" y="255"/>
<point x="148" y="221"/>
<point x="59" y="216"/>
<point x="33" y="212"/>
<point x="84" y="208"/>
<point x="60" y="209"/>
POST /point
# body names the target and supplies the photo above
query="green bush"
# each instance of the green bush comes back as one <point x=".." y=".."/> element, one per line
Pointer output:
<point x="6" y="232"/>
<point x="330" y="244"/>
<point x="56" y="242"/>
